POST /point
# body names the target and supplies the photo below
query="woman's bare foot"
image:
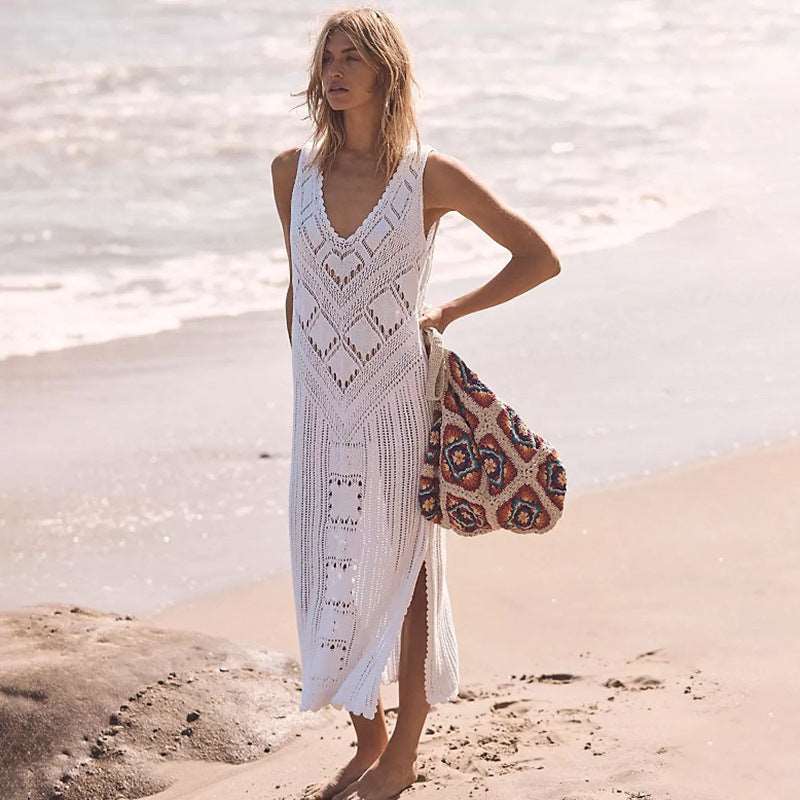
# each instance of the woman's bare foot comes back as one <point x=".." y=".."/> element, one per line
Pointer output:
<point x="349" y="773"/>
<point x="384" y="780"/>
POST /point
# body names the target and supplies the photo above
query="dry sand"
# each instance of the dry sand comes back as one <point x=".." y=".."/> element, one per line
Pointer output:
<point x="642" y="649"/>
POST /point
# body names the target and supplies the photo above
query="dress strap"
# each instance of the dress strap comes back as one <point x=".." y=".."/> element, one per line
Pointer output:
<point x="305" y="149"/>
<point x="299" y="176"/>
<point x="424" y="151"/>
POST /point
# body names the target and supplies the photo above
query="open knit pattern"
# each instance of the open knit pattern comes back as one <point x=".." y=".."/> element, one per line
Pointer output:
<point x="360" y="428"/>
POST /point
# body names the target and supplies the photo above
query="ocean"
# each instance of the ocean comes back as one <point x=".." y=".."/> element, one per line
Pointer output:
<point x="136" y="140"/>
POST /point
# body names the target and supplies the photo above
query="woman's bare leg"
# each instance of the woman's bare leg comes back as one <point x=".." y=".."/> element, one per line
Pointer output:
<point x="395" y="770"/>
<point x="371" y="739"/>
<point x="413" y="705"/>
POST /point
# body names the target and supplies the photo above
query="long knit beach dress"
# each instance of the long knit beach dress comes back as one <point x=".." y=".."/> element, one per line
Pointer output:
<point x="360" y="426"/>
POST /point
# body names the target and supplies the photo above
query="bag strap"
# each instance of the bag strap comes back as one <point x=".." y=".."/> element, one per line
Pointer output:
<point x="436" y="379"/>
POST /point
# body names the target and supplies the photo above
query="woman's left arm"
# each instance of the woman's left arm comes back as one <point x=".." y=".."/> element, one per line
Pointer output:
<point x="450" y="186"/>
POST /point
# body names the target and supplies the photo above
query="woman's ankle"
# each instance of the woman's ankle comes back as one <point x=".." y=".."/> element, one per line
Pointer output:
<point x="371" y="749"/>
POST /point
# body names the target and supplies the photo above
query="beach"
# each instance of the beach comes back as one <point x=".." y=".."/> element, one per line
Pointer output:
<point x="643" y="648"/>
<point x="659" y="609"/>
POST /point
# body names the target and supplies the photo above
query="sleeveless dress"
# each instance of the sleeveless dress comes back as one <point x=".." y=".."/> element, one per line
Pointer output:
<point x="358" y="539"/>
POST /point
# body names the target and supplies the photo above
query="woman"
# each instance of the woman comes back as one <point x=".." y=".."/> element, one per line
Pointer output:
<point x="369" y="575"/>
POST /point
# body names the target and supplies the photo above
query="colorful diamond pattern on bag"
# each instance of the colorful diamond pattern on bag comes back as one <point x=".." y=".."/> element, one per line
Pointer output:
<point x="471" y="517"/>
<point x="484" y="469"/>
<point x="499" y="468"/>
<point x="460" y="463"/>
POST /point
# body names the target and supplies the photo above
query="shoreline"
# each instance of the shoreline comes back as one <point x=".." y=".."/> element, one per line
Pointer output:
<point x="159" y="463"/>
<point x="600" y="247"/>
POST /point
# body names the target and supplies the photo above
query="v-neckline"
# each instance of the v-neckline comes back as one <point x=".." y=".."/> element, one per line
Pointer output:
<point x="324" y="212"/>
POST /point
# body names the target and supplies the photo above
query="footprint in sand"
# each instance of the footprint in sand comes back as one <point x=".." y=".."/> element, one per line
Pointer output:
<point x="472" y="694"/>
<point x="639" y="683"/>
<point x="553" y="677"/>
<point x="649" y="654"/>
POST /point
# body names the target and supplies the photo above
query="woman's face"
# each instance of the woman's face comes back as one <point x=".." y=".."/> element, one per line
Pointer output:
<point x="343" y="66"/>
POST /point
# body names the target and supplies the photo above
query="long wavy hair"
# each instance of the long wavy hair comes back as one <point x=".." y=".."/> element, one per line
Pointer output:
<point x="381" y="44"/>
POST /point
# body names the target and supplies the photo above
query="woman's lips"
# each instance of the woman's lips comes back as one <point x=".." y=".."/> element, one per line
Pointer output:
<point x="337" y="91"/>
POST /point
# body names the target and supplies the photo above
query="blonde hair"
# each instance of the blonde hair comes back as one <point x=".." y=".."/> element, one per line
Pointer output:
<point x="380" y="43"/>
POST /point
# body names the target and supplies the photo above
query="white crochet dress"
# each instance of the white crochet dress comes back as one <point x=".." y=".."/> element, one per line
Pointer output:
<point x="360" y="427"/>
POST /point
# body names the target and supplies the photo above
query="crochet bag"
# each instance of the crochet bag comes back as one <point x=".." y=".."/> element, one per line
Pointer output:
<point x="483" y="469"/>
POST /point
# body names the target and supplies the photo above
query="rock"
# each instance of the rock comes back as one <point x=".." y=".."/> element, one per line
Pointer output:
<point x="67" y="672"/>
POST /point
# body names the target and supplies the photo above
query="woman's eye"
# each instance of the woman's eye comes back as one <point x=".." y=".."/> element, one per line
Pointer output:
<point x="326" y="59"/>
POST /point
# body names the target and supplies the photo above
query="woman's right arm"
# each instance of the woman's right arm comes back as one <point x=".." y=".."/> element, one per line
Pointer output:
<point x="284" y="169"/>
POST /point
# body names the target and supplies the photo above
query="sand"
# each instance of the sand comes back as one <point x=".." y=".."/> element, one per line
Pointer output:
<point x="642" y="649"/>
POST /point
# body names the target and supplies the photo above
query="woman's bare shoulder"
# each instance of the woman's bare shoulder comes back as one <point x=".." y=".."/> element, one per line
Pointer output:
<point x="445" y="177"/>
<point x="444" y="164"/>
<point x="284" y="170"/>
<point x="284" y="164"/>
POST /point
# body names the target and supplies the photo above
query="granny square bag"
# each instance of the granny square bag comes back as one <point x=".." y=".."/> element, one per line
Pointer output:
<point x="483" y="469"/>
